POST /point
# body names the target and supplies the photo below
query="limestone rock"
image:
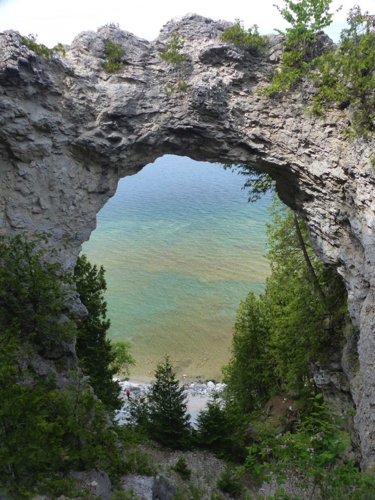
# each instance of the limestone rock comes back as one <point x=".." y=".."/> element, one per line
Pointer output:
<point x="162" y="489"/>
<point x="69" y="131"/>
<point x="96" y="482"/>
<point x="141" y="485"/>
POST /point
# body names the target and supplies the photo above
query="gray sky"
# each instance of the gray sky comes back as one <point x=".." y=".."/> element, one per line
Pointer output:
<point x="60" y="21"/>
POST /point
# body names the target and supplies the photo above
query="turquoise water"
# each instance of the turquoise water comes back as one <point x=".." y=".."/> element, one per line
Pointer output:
<point x="181" y="247"/>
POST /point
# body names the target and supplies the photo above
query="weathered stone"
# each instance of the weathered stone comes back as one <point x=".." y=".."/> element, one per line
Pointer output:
<point x="69" y="131"/>
<point x="140" y="485"/>
<point x="96" y="482"/>
<point x="162" y="489"/>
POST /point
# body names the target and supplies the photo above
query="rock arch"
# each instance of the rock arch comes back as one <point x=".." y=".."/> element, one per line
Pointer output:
<point x="69" y="131"/>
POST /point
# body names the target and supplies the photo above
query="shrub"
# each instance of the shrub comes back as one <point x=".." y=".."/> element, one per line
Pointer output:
<point x="114" y="56"/>
<point x="138" y="462"/>
<point x="345" y="74"/>
<point x="67" y="487"/>
<point x="318" y="450"/>
<point x="249" y="39"/>
<point x="123" y="495"/>
<point x="32" y="292"/>
<point x="173" y="53"/>
<point x="40" y="49"/>
<point x="230" y="482"/>
<point x="306" y="18"/>
<point x="222" y="430"/>
<point x="182" y="468"/>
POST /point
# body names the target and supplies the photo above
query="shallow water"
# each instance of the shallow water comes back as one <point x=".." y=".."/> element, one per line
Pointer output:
<point x="181" y="247"/>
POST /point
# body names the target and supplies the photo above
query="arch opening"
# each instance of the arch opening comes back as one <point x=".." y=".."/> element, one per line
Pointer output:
<point x="181" y="248"/>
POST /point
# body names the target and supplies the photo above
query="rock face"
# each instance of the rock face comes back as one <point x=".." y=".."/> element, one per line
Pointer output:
<point x="69" y="131"/>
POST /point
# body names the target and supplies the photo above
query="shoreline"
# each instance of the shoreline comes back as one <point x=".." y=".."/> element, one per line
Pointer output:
<point x="183" y="380"/>
<point x="196" y="396"/>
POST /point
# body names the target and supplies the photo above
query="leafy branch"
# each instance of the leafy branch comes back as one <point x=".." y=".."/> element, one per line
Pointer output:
<point x="40" y="49"/>
<point x="173" y="53"/>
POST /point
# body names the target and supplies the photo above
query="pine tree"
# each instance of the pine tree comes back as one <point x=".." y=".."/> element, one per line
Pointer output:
<point x="98" y="357"/>
<point x="250" y="372"/>
<point x="46" y="429"/>
<point x="168" y="420"/>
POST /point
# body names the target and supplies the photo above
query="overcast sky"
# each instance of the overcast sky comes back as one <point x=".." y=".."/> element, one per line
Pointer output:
<point x="60" y="21"/>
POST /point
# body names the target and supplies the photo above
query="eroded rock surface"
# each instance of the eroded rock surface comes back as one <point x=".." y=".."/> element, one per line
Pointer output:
<point x="69" y="131"/>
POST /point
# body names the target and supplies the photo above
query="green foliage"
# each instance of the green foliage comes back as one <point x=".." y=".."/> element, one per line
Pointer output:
<point x="59" y="48"/>
<point x="345" y="75"/>
<point x="67" y="487"/>
<point x="318" y="450"/>
<point x="32" y="293"/>
<point x="298" y="318"/>
<point x="114" y="56"/>
<point x="173" y="53"/>
<point x="98" y="357"/>
<point x="129" y="437"/>
<point x="122" y="358"/>
<point x="181" y="86"/>
<point x="222" y="429"/>
<point x="162" y="413"/>
<point x="168" y="418"/>
<point x="181" y="467"/>
<point x="40" y="49"/>
<point x="123" y="495"/>
<point x="230" y="482"/>
<point x="44" y="429"/>
<point x="175" y="58"/>
<point x="306" y="306"/>
<point x="245" y="38"/>
<point x="190" y="491"/>
<point x="258" y="183"/>
<point x="250" y="374"/>
<point x="138" y="462"/>
<point x="307" y="18"/>
<point x="213" y="427"/>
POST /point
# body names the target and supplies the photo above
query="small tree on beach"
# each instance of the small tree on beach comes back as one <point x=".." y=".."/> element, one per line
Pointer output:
<point x="163" y="413"/>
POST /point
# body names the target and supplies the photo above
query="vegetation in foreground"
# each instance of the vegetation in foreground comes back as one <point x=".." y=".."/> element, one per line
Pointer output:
<point x="49" y="424"/>
<point x="161" y="414"/>
<point x="299" y="319"/>
<point x="99" y="358"/>
<point x="300" y="316"/>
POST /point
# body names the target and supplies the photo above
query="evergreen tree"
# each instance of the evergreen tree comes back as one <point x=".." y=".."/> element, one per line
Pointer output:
<point x="298" y="318"/>
<point x="46" y="429"/>
<point x="223" y="429"/>
<point x="250" y="374"/>
<point x="168" y="420"/>
<point x="98" y="357"/>
<point x="32" y="293"/>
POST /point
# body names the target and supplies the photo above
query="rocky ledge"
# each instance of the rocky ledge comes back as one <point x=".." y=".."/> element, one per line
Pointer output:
<point x="70" y="130"/>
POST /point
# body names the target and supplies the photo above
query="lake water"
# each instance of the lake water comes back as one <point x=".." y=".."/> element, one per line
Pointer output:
<point x="181" y="247"/>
